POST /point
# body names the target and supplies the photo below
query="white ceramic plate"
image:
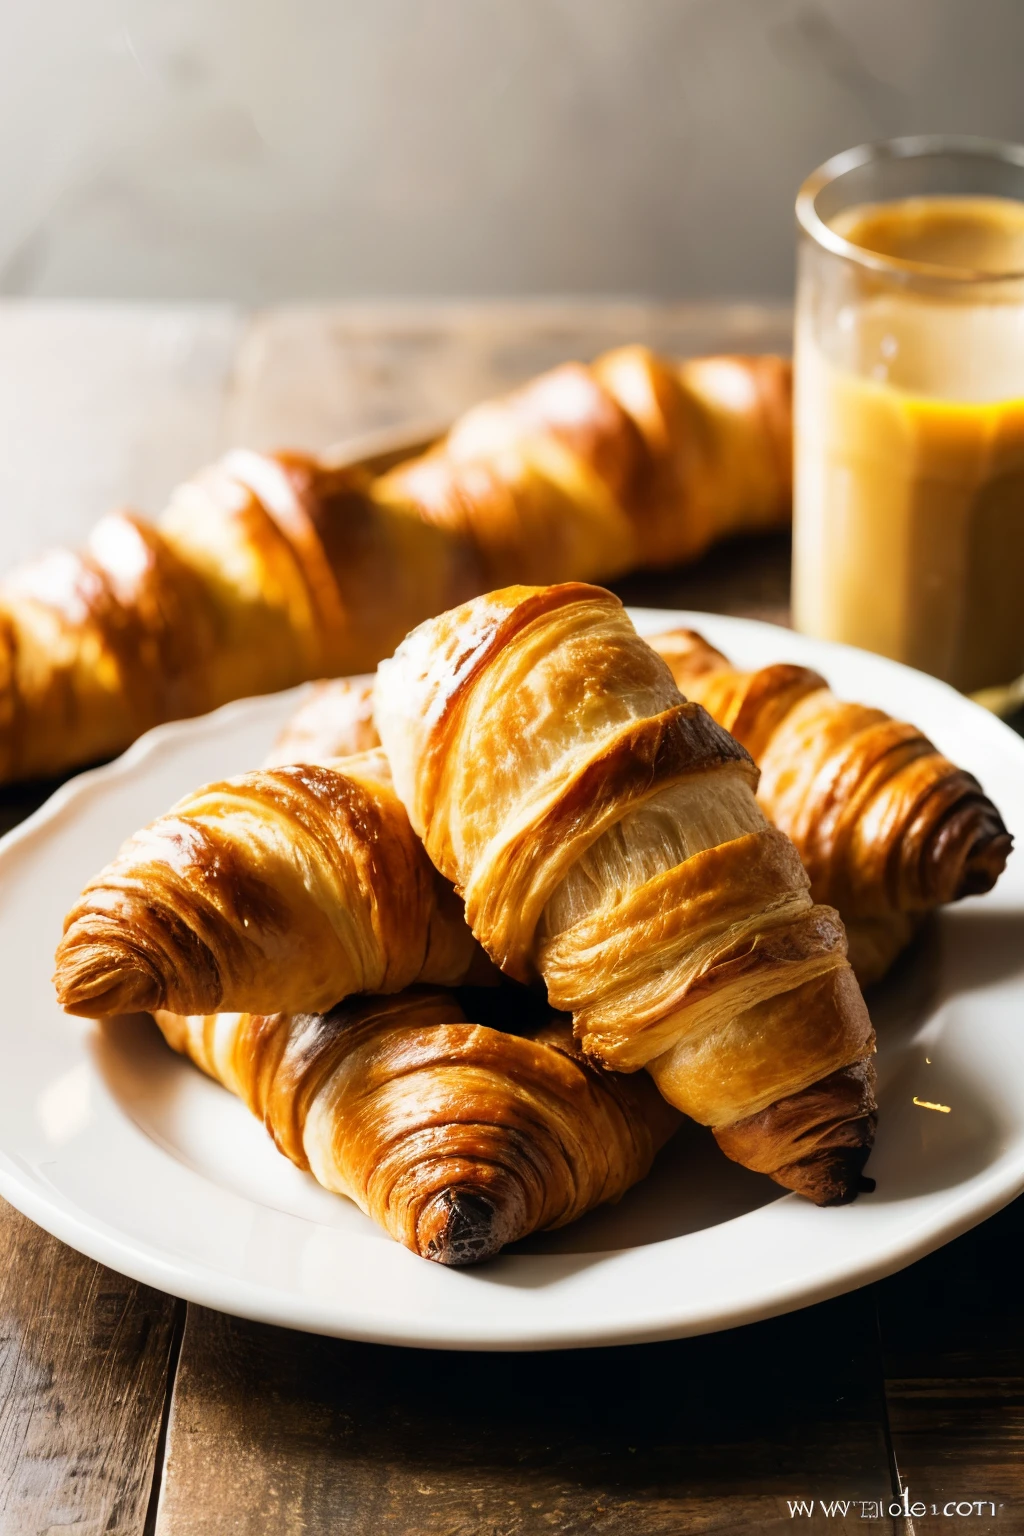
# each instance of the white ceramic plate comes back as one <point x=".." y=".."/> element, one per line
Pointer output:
<point x="126" y="1152"/>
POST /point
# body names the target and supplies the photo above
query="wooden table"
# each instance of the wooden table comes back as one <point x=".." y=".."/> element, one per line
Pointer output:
<point x="125" y="1411"/>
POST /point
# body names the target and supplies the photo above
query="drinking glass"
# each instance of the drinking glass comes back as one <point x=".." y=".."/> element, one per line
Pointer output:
<point x="909" y="406"/>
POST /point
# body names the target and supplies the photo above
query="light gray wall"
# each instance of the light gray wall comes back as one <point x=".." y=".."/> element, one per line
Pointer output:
<point x="259" y="149"/>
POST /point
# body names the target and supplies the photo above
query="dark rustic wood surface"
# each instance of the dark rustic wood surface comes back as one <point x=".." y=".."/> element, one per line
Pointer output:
<point x="952" y="1331"/>
<point x="85" y="1371"/>
<point x="123" y="1411"/>
<point x="714" y="1434"/>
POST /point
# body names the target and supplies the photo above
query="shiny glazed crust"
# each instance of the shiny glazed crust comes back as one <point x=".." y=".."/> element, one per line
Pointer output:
<point x="605" y="836"/>
<point x="886" y="827"/>
<point x="270" y="569"/>
<point x="292" y="886"/>
<point x="455" y="1137"/>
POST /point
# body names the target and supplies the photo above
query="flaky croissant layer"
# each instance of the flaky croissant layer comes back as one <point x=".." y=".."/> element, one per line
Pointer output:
<point x="605" y="836"/>
<point x="887" y="828"/>
<point x="291" y="886"/>
<point x="269" y="569"/>
<point x="455" y="1137"/>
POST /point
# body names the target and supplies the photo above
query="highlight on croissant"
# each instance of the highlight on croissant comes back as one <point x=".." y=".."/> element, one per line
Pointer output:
<point x="668" y="877"/>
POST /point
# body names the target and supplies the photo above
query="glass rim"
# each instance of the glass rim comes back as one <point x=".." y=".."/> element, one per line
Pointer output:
<point x="909" y="148"/>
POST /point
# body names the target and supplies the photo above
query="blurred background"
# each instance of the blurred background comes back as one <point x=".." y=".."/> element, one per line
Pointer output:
<point x="255" y="150"/>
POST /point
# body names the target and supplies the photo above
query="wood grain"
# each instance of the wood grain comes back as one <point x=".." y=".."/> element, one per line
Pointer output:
<point x="952" y="1329"/>
<point x="272" y="1431"/>
<point x="83" y="1371"/>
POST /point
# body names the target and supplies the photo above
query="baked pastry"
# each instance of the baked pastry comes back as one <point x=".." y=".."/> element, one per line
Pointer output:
<point x="718" y="447"/>
<point x="605" y="836"/>
<point x="589" y="471"/>
<point x="455" y="1137"/>
<point x="263" y="572"/>
<point x="269" y="569"/>
<point x="288" y="888"/>
<point x="888" y="829"/>
<point x="334" y="720"/>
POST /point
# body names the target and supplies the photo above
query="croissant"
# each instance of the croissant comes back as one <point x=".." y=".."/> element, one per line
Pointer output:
<point x="605" y="836"/>
<point x="263" y="572"/>
<point x="267" y="570"/>
<point x="887" y="828"/>
<point x="334" y="720"/>
<point x="455" y="1137"/>
<point x="590" y="471"/>
<point x="290" y="888"/>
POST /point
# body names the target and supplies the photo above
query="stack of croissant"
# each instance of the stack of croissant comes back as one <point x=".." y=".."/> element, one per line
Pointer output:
<point x="547" y="807"/>
<point x="675" y="876"/>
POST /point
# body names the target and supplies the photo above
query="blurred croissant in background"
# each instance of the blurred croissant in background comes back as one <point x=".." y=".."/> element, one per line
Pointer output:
<point x="267" y="570"/>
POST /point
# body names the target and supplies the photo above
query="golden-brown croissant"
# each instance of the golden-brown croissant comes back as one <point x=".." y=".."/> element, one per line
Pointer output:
<point x="887" y="828"/>
<point x="334" y="720"/>
<point x="263" y="572"/>
<point x="589" y="471"/>
<point x="455" y="1137"/>
<point x="288" y="888"/>
<point x="95" y="647"/>
<point x="718" y="447"/>
<point x="605" y="836"/>
<point x="267" y="570"/>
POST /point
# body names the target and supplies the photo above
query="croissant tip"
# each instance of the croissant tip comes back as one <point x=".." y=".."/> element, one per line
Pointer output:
<point x="103" y="996"/>
<point x="835" y="1117"/>
<point x="832" y="1176"/>
<point x="470" y="1229"/>
<point x="985" y="864"/>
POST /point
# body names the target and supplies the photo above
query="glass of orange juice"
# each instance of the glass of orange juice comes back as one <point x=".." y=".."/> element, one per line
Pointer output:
<point x="909" y="413"/>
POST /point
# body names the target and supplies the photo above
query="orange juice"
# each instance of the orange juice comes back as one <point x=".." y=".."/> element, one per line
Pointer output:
<point x="909" y="530"/>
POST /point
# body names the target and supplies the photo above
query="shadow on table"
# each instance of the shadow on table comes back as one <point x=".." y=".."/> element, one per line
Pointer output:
<point x="707" y="1434"/>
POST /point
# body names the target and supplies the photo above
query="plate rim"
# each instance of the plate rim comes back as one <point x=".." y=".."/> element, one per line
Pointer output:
<point x="970" y="1202"/>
